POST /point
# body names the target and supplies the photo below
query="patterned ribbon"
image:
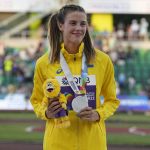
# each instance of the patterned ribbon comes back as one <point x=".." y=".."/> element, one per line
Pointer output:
<point x="84" y="74"/>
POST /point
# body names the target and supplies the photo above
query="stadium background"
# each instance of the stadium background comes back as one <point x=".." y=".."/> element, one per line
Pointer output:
<point x="120" y="28"/>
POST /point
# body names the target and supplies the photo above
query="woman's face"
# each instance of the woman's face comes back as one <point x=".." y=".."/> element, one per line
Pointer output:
<point x="74" y="27"/>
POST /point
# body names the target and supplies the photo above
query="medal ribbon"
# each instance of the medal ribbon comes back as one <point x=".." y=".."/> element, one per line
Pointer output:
<point x="69" y="76"/>
<point x="84" y="74"/>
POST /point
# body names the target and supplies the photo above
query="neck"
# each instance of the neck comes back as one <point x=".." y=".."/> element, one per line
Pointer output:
<point x="71" y="48"/>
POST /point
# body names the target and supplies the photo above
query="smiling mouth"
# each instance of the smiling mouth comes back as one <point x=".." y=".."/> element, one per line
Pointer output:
<point x="78" y="34"/>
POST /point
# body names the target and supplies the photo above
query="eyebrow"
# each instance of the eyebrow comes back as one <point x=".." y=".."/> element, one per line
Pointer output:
<point x="76" y="21"/>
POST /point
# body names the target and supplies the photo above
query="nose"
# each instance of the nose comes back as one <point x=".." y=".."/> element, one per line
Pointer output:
<point x="78" y="27"/>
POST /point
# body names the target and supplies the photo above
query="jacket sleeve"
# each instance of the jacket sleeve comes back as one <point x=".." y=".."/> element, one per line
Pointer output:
<point x="108" y="91"/>
<point x="37" y="94"/>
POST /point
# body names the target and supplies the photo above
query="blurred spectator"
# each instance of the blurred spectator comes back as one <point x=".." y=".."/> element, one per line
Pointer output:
<point x="98" y="42"/>
<point x="112" y="40"/>
<point x="117" y="89"/>
<point x="129" y="53"/>
<point x="1" y="49"/>
<point x="121" y="52"/>
<point x="114" y="56"/>
<point x="1" y="78"/>
<point x="8" y="68"/>
<point x="143" y="31"/>
<point x="134" y="29"/>
<point x="122" y="82"/>
<point x="1" y="63"/>
<point x="120" y="31"/>
<point x="131" y="83"/>
<point x="129" y="33"/>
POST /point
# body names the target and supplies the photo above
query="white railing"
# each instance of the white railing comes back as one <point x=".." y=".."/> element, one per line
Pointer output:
<point x="25" y="23"/>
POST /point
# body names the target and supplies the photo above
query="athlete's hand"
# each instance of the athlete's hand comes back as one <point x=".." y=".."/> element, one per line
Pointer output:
<point x="88" y="114"/>
<point x="53" y="108"/>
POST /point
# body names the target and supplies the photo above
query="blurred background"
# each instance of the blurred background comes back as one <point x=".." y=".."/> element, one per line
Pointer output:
<point x="120" y="28"/>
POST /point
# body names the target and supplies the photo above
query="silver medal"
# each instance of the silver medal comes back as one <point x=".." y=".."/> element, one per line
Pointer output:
<point x="79" y="102"/>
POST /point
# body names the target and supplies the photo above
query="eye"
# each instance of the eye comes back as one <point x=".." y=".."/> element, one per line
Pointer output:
<point x="73" y="22"/>
<point x="83" y="23"/>
<point x="49" y="84"/>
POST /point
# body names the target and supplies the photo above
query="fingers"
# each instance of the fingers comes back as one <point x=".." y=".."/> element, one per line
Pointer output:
<point x="88" y="114"/>
<point x="53" y="99"/>
<point x="53" y="105"/>
<point x="53" y="113"/>
<point x="85" y="113"/>
<point x="53" y="108"/>
<point x="86" y="118"/>
<point x="86" y="110"/>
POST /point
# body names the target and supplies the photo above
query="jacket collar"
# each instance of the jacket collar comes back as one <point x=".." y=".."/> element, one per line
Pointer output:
<point x="69" y="56"/>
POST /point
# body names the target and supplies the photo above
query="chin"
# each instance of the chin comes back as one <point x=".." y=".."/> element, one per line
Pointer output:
<point x="77" y="41"/>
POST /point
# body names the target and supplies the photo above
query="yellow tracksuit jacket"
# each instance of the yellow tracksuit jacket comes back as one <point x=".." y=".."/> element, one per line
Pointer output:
<point x="81" y="135"/>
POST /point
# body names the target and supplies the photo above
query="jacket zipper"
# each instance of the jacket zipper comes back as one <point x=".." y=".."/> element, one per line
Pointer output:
<point x="74" y="58"/>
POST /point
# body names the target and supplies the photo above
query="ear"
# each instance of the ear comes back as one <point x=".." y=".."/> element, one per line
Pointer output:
<point x="60" y="26"/>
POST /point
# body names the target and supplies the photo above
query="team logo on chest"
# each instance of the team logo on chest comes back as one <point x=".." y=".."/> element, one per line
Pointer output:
<point x="59" y="71"/>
